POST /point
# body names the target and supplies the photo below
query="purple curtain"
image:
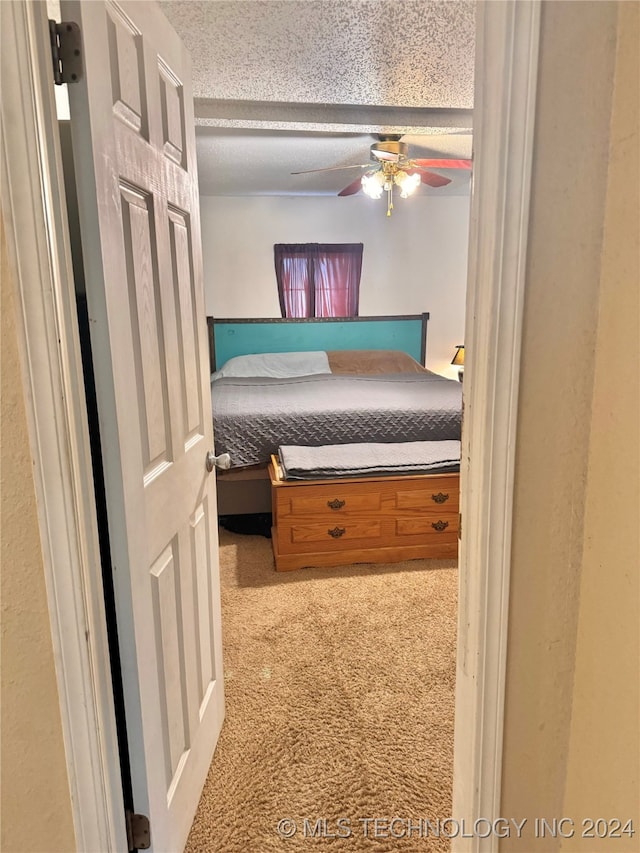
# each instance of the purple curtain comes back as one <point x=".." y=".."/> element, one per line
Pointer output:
<point x="318" y="279"/>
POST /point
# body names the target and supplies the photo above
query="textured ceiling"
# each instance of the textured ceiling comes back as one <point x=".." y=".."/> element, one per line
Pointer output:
<point x="287" y="85"/>
<point x="413" y="53"/>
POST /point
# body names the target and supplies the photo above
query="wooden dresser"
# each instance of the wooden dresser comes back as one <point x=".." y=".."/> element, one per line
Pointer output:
<point x="380" y="519"/>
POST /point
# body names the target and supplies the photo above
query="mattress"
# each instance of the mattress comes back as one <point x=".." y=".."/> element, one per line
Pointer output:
<point x="252" y="417"/>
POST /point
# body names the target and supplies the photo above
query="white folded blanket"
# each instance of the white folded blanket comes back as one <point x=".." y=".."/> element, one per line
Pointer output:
<point x="358" y="460"/>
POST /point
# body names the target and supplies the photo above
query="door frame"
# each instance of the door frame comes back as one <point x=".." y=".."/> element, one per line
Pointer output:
<point x="507" y="48"/>
<point x="34" y="211"/>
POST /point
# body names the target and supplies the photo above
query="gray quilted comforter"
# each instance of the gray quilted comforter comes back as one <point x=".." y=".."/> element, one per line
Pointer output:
<point x="253" y="417"/>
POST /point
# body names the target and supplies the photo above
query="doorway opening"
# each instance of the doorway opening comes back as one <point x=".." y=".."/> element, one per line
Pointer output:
<point x="264" y="721"/>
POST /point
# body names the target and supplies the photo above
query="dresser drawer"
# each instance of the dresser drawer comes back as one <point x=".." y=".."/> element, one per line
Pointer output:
<point x="436" y="495"/>
<point x="335" y="535"/>
<point x="442" y="526"/>
<point x="319" y="500"/>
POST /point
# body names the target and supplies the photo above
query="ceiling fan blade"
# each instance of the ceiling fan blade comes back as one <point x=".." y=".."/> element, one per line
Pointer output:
<point x="433" y="180"/>
<point x="353" y="188"/>
<point x="333" y="169"/>
<point x="443" y="164"/>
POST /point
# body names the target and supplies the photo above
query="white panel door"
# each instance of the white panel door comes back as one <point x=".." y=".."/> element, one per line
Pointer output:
<point x="134" y="151"/>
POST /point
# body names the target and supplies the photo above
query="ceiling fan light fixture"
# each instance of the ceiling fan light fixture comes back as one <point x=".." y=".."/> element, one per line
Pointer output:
<point x="407" y="184"/>
<point x="373" y="184"/>
<point x="385" y="178"/>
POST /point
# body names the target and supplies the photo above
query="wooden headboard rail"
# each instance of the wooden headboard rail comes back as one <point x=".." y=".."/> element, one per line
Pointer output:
<point x="213" y="322"/>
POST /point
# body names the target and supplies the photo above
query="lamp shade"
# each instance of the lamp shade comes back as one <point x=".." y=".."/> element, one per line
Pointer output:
<point x="458" y="358"/>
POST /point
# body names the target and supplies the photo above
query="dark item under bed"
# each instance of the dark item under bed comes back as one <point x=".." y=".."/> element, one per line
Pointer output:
<point x="369" y="460"/>
<point x="253" y="417"/>
<point x="250" y="524"/>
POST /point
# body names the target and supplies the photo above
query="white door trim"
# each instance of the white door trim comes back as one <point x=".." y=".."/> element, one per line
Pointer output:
<point x="33" y="206"/>
<point x="34" y="211"/>
<point x="507" y="47"/>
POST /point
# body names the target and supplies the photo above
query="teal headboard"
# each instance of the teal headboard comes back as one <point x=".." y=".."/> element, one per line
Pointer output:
<point x="231" y="337"/>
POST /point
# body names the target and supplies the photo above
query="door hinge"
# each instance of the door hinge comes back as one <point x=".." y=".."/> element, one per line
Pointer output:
<point x="459" y="525"/>
<point x="66" y="52"/>
<point x="138" y="831"/>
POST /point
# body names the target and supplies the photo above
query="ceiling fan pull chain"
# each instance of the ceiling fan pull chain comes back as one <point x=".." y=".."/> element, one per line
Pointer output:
<point x="390" y="200"/>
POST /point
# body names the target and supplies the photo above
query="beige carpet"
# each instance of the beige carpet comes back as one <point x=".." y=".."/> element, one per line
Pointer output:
<point x="339" y="704"/>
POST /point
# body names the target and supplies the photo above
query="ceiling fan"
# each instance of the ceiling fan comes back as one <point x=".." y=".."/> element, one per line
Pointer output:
<point x="391" y="167"/>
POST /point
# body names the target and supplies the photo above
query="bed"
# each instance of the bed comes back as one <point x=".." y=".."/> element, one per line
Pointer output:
<point x="319" y="382"/>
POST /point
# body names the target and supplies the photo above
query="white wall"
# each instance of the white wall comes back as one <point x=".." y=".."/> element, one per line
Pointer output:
<point x="413" y="261"/>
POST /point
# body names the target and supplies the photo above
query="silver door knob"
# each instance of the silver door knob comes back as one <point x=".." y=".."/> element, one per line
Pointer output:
<point x="212" y="461"/>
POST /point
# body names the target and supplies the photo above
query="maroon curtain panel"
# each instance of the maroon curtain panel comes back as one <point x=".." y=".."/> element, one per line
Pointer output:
<point x="318" y="279"/>
<point x="294" y="275"/>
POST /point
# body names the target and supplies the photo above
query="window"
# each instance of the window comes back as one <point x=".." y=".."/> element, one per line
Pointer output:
<point x="318" y="279"/>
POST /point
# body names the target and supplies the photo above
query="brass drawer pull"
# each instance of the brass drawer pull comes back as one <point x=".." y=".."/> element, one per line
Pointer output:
<point x="439" y="525"/>
<point x="336" y="504"/>
<point x="337" y="532"/>
<point x="439" y="498"/>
